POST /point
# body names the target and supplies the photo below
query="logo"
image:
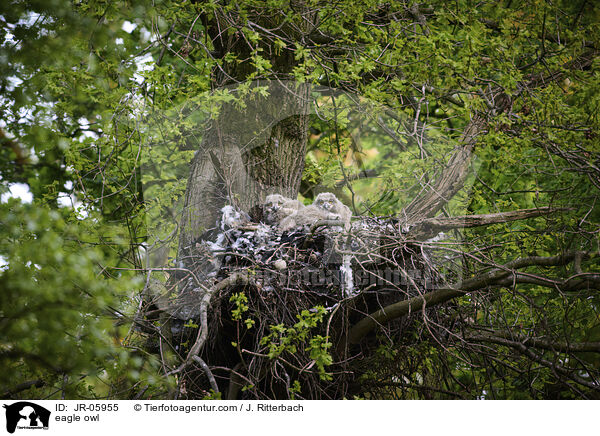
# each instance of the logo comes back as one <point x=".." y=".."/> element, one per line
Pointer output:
<point x="26" y="415"/>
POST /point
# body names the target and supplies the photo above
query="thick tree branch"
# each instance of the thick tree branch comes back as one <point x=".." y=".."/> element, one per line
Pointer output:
<point x="432" y="226"/>
<point x="574" y="283"/>
<point x="435" y="195"/>
<point x="439" y="296"/>
<point x="234" y="279"/>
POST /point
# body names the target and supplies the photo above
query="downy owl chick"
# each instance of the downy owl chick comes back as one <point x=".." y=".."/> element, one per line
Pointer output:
<point x="336" y="210"/>
<point x="277" y="208"/>
<point x="325" y="207"/>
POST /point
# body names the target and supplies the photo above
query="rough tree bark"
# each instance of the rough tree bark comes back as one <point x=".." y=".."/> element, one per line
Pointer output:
<point x="235" y="165"/>
<point x="250" y="152"/>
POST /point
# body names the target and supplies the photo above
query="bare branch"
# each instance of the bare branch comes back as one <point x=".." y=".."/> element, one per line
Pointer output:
<point x="432" y="226"/>
<point x="429" y="202"/>
<point x="439" y="296"/>
<point x="208" y="372"/>
<point x="436" y="195"/>
<point x="523" y="349"/>
<point x="545" y="344"/>
<point x="233" y="279"/>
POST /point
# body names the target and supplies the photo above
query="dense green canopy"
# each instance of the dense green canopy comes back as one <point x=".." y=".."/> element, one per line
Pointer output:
<point x="103" y="105"/>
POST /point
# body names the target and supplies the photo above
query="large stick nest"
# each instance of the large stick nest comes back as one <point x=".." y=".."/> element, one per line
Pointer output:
<point x="255" y="282"/>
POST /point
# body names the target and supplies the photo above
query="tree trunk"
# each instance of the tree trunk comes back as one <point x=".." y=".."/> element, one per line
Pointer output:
<point x="257" y="144"/>
<point x="246" y="155"/>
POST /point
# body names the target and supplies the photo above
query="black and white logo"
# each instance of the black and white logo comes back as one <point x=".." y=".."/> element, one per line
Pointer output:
<point x="26" y="415"/>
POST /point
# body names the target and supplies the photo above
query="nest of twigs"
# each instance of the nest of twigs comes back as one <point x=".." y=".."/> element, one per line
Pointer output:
<point x="278" y="308"/>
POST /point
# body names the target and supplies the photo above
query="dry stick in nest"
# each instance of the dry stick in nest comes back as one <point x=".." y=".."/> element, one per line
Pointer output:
<point x="320" y="223"/>
<point x="234" y="279"/>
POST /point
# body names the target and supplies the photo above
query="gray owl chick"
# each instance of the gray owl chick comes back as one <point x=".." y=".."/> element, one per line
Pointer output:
<point x="325" y="207"/>
<point x="335" y="208"/>
<point x="277" y="208"/>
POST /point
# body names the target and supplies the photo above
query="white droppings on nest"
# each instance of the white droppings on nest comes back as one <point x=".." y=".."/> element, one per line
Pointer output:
<point x="360" y="225"/>
<point x="230" y="218"/>
<point x="210" y="248"/>
<point x="242" y="243"/>
<point x="217" y="245"/>
<point x="262" y="234"/>
<point x="238" y="237"/>
<point x="235" y="237"/>
<point x="221" y="239"/>
<point x="347" y="276"/>
<point x="439" y="237"/>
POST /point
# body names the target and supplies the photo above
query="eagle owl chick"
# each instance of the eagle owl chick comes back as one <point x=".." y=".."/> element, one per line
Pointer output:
<point x="325" y="207"/>
<point x="277" y="208"/>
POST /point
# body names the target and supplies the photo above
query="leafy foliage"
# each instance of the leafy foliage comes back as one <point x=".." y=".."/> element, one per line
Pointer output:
<point x="103" y="105"/>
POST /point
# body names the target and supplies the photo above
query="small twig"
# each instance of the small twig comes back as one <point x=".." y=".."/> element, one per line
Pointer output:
<point x="209" y="374"/>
